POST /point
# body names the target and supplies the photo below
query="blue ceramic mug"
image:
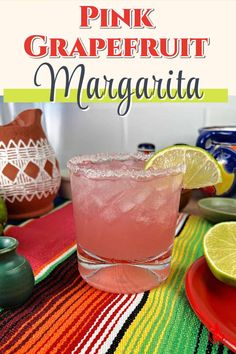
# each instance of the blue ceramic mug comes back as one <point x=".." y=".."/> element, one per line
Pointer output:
<point x="221" y="143"/>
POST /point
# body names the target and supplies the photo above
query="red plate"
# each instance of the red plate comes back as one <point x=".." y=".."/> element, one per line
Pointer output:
<point x="213" y="302"/>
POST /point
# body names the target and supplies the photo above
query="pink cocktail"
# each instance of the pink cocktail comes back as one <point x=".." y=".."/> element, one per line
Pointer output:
<point x="125" y="220"/>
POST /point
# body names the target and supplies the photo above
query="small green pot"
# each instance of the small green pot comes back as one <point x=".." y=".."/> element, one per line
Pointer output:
<point x="16" y="275"/>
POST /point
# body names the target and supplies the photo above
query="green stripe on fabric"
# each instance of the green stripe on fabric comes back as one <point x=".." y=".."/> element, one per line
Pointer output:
<point x="150" y="334"/>
<point x="199" y="334"/>
<point x="186" y="322"/>
<point x="43" y="95"/>
<point x="181" y="308"/>
<point x="159" y="294"/>
<point x="184" y="326"/>
<point x="53" y="265"/>
<point x="190" y="250"/>
<point x="204" y="343"/>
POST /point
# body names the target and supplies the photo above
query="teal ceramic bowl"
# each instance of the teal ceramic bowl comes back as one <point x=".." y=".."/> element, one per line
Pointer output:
<point x="218" y="209"/>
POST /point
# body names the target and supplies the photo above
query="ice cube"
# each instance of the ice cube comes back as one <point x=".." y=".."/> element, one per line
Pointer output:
<point x="125" y="205"/>
<point x="158" y="202"/>
<point x="133" y="198"/>
<point x="110" y="213"/>
<point x="143" y="218"/>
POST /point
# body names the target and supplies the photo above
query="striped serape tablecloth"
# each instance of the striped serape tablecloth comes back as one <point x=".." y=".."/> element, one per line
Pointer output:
<point x="66" y="315"/>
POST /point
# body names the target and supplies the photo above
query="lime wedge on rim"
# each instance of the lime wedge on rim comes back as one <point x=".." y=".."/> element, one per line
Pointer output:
<point x="220" y="251"/>
<point x="201" y="168"/>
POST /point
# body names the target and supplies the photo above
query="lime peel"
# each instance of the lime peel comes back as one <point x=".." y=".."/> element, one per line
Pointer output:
<point x="220" y="251"/>
<point x="202" y="169"/>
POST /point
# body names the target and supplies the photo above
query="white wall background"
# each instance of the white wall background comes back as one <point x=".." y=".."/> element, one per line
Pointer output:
<point x="72" y="131"/>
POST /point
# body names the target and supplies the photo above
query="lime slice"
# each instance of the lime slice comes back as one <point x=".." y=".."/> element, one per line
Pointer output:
<point x="220" y="251"/>
<point x="201" y="168"/>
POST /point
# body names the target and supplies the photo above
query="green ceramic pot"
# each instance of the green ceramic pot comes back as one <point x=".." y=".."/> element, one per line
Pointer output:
<point x="16" y="275"/>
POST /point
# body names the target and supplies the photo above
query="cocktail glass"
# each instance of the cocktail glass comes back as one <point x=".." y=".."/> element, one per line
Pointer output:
<point x="125" y="219"/>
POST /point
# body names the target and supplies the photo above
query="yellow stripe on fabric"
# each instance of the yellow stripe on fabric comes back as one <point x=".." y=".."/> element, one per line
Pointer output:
<point x="164" y="332"/>
<point x="155" y="297"/>
<point x="175" y="261"/>
<point x="144" y="316"/>
<point x="197" y="237"/>
<point x="135" y="330"/>
<point x="198" y="241"/>
<point x="143" y="322"/>
<point x="193" y="336"/>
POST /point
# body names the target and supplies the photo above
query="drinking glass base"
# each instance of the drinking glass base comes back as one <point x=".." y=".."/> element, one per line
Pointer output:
<point x="124" y="278"/>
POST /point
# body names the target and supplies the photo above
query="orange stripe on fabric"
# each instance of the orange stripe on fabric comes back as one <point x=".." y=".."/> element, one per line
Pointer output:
<point x="61" y="319"/>
<point x="72" y="336"/>
<point x="41" y="319"/>
<point x="73" y="325"/>
<point x="24" y="327"/>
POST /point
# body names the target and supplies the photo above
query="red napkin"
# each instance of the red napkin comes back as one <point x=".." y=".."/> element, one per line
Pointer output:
<point x="45" y="239"/>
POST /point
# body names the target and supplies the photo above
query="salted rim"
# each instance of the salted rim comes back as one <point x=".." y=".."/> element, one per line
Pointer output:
<point x="74" y="166"/>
